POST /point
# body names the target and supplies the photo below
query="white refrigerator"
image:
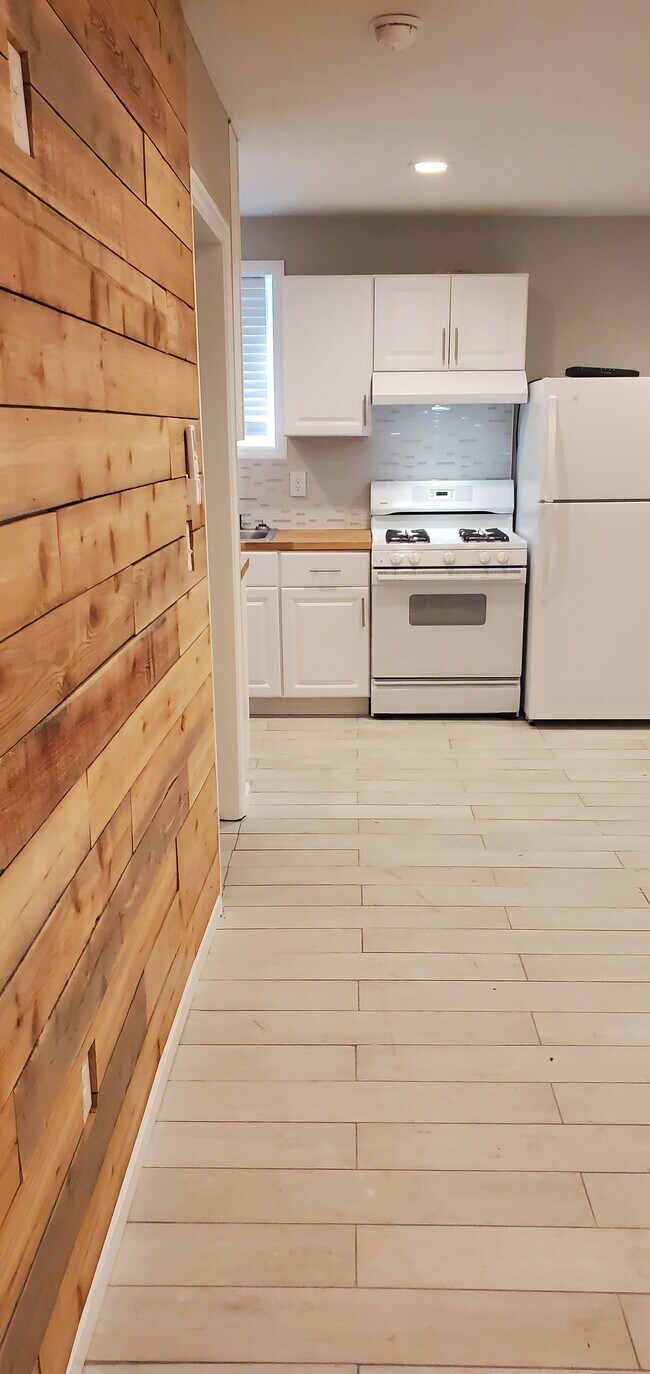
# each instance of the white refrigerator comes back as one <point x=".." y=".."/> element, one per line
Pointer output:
<point x="583" y="505"/>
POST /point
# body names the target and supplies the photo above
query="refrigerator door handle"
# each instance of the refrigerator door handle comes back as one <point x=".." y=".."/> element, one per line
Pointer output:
<point x="552" y="472"/>
<point x="545" y="550"/>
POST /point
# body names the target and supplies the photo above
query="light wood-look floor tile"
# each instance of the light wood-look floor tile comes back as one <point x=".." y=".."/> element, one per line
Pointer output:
<point x="407" y="1129"/>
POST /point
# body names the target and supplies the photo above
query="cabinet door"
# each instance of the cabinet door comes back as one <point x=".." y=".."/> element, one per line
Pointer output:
<point x="263" y="621"/>
<point x="325" y="642"/>
<point x="412" y="323"/>
<point x="488" y="322"/>
<point x="327" y="354"/>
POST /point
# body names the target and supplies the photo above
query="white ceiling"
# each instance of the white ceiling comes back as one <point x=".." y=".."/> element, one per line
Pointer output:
<point x="539" y="106"/>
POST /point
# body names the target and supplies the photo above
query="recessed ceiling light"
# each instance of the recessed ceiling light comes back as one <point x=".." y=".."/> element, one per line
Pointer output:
<point x="429" y="167"/>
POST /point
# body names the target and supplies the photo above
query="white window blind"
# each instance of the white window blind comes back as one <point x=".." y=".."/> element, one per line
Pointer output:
<point x="257" y="359"/>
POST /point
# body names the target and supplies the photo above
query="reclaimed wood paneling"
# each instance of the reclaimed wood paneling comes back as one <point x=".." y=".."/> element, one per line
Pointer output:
<point x="67" y="269"/>
<point x="109" y="863"/>
<point x="57" y="457"/>
<point x="37" y="772"/>
<point x="97" y="538"/>
<point x="45" y="661"/>
<point x="60" y="73"/>
<point x="30" y="572"/>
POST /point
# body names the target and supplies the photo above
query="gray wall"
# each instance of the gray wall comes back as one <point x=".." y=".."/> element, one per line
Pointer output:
<point x="589" y="278"/>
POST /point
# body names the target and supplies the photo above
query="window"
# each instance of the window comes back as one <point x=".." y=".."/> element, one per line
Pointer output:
<point x="261" y="312"/>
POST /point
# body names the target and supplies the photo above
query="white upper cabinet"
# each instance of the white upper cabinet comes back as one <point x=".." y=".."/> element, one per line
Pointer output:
<point x="488" y="322"/>
<point x="328" y="340"/>
<point x="412" y="323"/>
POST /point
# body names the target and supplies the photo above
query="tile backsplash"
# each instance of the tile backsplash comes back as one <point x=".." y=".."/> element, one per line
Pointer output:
<point x="406" y="441"/>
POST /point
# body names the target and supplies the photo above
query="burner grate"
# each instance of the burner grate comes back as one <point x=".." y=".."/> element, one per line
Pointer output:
<point x="407" y="537"/>
<point x="491" y="535"/>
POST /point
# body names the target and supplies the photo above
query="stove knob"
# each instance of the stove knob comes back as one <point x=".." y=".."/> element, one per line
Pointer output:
<point x="502" y="558"/>
<point x="414" y="558"/>
<point x="449" y="558"/>
<point x="484" y="557"/>
<point x="396" y="558"/>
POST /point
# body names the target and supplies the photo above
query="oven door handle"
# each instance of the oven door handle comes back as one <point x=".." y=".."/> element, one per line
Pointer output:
<point x="444" y="575"/>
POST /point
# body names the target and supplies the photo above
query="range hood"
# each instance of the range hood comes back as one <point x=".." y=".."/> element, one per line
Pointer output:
<point x="448" y="388"/>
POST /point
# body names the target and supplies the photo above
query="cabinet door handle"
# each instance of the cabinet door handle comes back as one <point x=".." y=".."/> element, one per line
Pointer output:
<point x="363" y="613"/>
<point x="444" y="343"/>
<point x="456" y="344"/>
<point x="365" y="412"/>
<point x="325" y="570"/>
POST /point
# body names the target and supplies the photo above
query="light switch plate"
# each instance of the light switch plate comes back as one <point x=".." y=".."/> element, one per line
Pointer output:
<point x="298" y="483"/>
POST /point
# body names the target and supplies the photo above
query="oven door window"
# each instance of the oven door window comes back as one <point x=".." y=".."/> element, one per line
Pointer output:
<point x="444" y="608"/>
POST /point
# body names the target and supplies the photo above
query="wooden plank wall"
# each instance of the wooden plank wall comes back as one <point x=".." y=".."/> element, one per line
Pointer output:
<point x="109" y="865"/>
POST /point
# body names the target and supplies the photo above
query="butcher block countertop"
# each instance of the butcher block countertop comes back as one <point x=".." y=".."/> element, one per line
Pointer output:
<point x="312" y="541"/>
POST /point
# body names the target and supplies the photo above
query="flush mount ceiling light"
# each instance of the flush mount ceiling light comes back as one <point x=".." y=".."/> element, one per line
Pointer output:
<point x="396" y="31"/>
<point x="429" y="168"/>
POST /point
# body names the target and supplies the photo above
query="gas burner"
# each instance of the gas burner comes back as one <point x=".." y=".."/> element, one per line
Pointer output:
<point x="484" y="536"/>
<point x="407" y="537"/>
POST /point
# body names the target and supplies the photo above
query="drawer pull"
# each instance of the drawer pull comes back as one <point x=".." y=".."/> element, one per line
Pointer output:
<point x="325" y="570"/>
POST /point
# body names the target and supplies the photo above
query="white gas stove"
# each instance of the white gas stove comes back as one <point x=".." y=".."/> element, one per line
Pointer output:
<point x="448" y="585"/>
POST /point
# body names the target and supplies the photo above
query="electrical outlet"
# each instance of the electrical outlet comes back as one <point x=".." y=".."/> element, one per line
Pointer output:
<point x="298" y="483"/>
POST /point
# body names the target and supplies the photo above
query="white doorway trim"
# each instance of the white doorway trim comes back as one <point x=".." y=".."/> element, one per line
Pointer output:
<point x="213" y="285"/>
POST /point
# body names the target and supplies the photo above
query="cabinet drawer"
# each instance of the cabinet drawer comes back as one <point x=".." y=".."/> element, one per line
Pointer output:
<point x="324" y="569"/>
<point x="263" y="570"/>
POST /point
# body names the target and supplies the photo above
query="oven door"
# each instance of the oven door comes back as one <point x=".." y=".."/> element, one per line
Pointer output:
<point x="434" y="624"/>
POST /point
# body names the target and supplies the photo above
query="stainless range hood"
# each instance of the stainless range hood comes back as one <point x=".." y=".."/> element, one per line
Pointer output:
<point x="448" y="388"/>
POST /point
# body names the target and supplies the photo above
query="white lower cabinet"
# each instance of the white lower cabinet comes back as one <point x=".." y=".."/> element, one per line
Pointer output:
<point x="310" y="639"/>
<point x="325" y="641"/>
<point x="264" y="652"/>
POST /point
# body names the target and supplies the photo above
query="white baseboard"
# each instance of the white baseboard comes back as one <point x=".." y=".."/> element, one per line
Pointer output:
<point x="79" y="1352"/>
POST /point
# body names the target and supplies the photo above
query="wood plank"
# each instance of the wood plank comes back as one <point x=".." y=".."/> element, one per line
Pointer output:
<point x="62" y="74"/>
<point x="163" y="953"/>
<point x="40" y="873"/>
<point x="44" y="662"/>
<point x="55" y="457"/>
<point x="49" y="358"/>
<point x="139" y="378"/>
<point x="166" y="195"/>
<point x="132" y="960"/>
<point x="162" y="47"/>
<point x="110" y="47"/>
<point x="21" y="1232"/>
<point x="198" y="845"/>
<point x="41" y="768"/>
<point x="101" y="537"/>
<point x="170" y="758"/>
<point x="201" y="760"/>
<point x="79" y="1274"/>
<point x="9" y="1158"/>
<point x="69" y="1027"/>
<point x="66" y="174"/>
<point x="181" y="328"/>
<point x="193" y="614"/>
<point x="31" y="994"/>
<point x="52" y="261"/>
<point x="34" y="1307"/>
<point x="30" y="573"/>
<point x="163" y="577"/>
<point x="119" y="764"/>
<point x="54" y="359"/>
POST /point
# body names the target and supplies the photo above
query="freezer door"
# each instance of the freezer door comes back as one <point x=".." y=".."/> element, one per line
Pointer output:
<point x="588" y="631"/>
<point x="589" y="439"/>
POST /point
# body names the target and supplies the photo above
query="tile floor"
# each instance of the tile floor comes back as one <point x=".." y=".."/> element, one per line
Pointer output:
<point x="409" y="1122"/>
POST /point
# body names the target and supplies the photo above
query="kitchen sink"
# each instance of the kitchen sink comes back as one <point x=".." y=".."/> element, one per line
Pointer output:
<point x="259" y="536"/>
